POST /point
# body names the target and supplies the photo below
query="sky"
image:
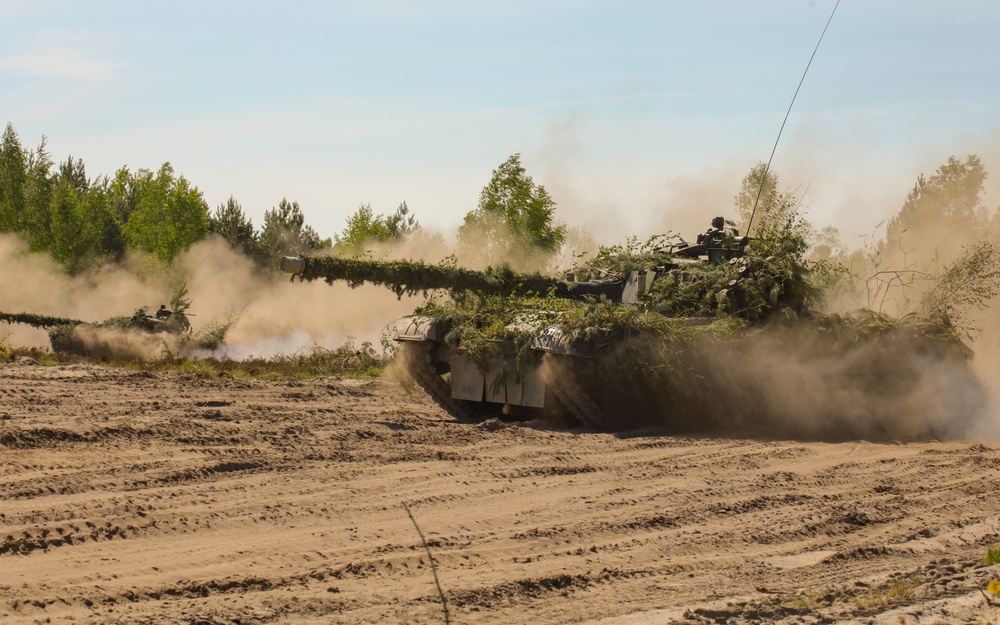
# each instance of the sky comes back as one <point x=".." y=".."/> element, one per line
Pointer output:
<point x="637" y="116"/>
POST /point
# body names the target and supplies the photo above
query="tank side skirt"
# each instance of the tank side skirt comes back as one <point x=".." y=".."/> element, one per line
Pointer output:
<point x="562" y="380"/>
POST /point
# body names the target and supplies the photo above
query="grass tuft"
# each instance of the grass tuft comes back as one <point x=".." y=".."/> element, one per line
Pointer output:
<point x="992" y="556"/>
<point x="895" y="593"/>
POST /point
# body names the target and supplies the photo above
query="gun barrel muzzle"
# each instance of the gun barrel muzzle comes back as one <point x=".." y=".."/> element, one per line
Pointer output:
<point x="293" y="264"/>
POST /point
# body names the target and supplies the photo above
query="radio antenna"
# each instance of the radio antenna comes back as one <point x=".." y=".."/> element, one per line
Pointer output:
<point x="767" y="168"/>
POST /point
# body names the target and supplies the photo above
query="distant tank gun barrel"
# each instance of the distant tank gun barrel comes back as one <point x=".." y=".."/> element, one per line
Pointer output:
<point x="408" y="277"/>
<point x="38" y="321"/>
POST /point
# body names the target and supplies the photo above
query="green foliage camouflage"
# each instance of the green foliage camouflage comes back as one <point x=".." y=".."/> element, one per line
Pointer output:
<point x="43" y="322"/>
<point x="66" y="338"/>
<point x="482" y="326"/>
<point x="405" y="277"/>
<point x="692" y="308"/>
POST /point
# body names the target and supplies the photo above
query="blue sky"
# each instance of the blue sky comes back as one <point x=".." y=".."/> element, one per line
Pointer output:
<point x="637" y="116"/>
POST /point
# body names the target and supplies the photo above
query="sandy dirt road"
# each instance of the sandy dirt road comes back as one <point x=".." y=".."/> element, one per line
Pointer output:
<point x="132" y="498"/>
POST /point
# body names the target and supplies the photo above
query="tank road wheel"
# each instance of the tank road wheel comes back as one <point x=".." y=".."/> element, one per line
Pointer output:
<point x="419" y="363"/>
<point x="562" y="376"/>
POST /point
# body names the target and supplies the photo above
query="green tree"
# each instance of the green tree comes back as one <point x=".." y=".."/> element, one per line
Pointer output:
<point x="513" y="221"/>
<point x="364" y="227"/>
<point x="68" y="217"/>
<point x="74" y="174"/>
<point x="285" y="232"/>
<point x="26" y="187"/>
<point x="68" y="248"/>
<point x="234" y="226"/>
<point x="169" y="216"/>
<point x="13" y="176"/>
<point x="100" y="230"/>
<point x="123" y="193"/>
<point x="38" y="197"/>
<point x="105" y="208"/>
<point x="401" y="224"/>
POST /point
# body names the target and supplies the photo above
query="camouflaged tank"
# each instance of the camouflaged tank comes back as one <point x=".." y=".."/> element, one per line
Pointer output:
<point x="66" y="335"/>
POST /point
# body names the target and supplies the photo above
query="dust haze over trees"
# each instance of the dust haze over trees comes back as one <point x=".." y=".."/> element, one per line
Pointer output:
<point x="942" y="228"/>
<point x="939" y="256"/>
<point x="771" y="209"/>
<point x="759" y="193"/>
<point x="364" y="228"/>
<point x="285" y="232"/>
<point x="950" y="201"/>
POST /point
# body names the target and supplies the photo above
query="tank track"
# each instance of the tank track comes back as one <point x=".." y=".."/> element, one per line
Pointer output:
<point x="417" y="361"/>
<point x="562" y="379"/>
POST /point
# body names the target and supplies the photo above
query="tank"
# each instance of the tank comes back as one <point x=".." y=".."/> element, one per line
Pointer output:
<point x="67" y="335"/>
<point x="719" y="335"/>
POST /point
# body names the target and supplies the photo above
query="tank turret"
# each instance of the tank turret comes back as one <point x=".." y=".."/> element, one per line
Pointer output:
<point x="716" y="246"/>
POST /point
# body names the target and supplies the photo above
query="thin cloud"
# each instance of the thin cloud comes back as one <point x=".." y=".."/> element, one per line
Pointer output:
<point x="77" y="58"/>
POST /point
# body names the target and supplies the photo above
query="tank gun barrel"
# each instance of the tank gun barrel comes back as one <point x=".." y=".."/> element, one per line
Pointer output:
<point x="38" y="321"/>
<point x="408" y="277"/>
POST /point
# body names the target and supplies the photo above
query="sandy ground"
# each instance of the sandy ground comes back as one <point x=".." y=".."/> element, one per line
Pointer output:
<point x="132" y="498"/>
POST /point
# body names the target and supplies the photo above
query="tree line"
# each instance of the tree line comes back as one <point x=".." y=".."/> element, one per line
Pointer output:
<point x="84" y="222"/>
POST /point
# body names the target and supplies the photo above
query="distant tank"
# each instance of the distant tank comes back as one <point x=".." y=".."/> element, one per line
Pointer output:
<point x="67" y="335"/>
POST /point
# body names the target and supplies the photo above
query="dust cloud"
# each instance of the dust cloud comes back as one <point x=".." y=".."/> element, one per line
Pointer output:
<point x="803" y="392"/>
<point x="792" y="383"/>
<point x="268" y="313"/>
<point x="116" y="343"/>
<point x="33" y="283"/>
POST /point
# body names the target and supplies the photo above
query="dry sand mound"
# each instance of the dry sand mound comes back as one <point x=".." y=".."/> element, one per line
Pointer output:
<point x="133" y="498"/>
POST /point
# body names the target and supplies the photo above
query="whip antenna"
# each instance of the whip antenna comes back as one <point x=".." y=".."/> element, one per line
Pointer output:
<point x="767" y="168"/>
